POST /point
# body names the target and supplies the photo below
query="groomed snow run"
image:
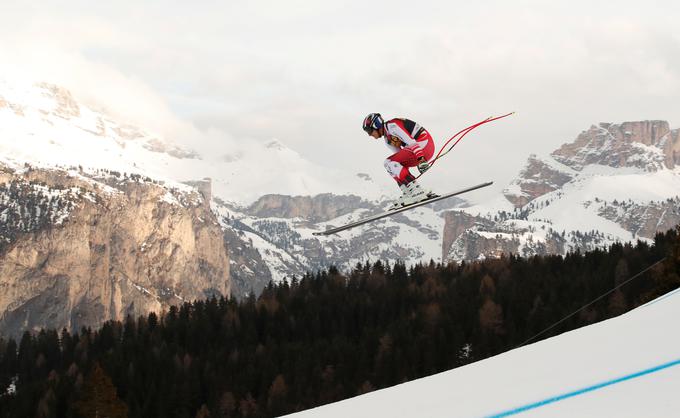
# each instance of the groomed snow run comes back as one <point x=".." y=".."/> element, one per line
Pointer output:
<point x="627" y="366"/>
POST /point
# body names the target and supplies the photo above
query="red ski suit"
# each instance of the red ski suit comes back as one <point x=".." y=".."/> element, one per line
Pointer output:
<point x="409" y="141"/>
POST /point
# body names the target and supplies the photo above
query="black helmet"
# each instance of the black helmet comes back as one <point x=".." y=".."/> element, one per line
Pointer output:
<point x="373" y="121"/>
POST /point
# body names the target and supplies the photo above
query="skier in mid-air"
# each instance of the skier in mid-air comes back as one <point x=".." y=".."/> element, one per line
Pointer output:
<point x="411" y="146"/>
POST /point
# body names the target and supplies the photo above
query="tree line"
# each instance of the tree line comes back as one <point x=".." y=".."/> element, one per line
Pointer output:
<point x="322" y="337"/>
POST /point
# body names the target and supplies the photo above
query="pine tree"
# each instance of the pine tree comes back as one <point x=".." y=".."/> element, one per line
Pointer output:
<point x="491" y="316"/>
<point x="203" y="412"/>
<point x="100" y="399"/>
<point x="277" y="395"/>
<point x="227" y="405"/>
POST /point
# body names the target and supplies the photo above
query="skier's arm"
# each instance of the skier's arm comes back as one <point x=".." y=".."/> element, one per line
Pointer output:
<point x="396" y="130"/>
<point x="392" y="147"/>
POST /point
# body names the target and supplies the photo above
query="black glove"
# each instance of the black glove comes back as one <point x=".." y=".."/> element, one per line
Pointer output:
<point x="394" y="141"/>
<point x="423" y="165"/>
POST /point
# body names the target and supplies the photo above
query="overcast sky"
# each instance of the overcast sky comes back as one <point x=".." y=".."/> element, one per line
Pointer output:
<point x="307" y="72"/>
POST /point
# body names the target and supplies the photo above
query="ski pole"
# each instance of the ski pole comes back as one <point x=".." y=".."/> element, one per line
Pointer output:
<point x="462" y="134"/>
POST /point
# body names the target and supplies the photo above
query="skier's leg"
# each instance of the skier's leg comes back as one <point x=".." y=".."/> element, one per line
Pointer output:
<point x="423" y="148"/>
<point x="428" y="149"/>
<point x="397" y="166"/>
<point x="394" y="165"/>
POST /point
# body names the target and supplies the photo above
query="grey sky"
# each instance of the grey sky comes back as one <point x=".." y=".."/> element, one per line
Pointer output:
<point x="307" y="72"/>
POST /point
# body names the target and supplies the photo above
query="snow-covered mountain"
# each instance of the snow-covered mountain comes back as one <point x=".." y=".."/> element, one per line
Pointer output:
<point x="615" y="182"/>
<point x="269" y="235"/>
<point x="280" y="229"/>
<point x="628" y="366"/>
<point x="44" y="124"/>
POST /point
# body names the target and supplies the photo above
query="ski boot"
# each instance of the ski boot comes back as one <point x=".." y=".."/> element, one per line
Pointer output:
<point x="401" y="200"/>
<point x="418" y="194"/>
<point x="412" y="193"/>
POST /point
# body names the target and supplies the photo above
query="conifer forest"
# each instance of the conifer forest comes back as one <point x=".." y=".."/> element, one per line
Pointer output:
<point x="324" y="337"/>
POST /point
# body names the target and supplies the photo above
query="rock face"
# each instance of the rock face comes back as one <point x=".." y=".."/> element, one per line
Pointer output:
<point x="536" y="179"/>
<point x="312" y="208"/>
<point x="643" y="220"/>
<point x="66" y="106"/>
<point x="615" y="182"/>
<point x="468" y="237"/>
<point x="649" y="145"/>
<point x="77" y="249"/>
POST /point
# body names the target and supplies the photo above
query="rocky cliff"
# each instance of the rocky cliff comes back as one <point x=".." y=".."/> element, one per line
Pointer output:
<point x="536" y="179"/>
<point x="614" y="182"/>
<point x="77" y="249"/>
<point x="648" y="145"/>
<point x="311" y="208"/>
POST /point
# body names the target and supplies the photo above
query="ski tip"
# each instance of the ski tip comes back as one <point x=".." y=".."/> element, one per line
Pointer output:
<point x="322" y="233"/>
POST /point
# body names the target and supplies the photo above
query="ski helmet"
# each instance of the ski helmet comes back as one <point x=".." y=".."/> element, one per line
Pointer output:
<point x="373" y="121"/>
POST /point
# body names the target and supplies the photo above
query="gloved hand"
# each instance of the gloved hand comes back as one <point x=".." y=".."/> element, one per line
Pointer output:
<point x="423" y="165"/>
<point x="394" y="141"/>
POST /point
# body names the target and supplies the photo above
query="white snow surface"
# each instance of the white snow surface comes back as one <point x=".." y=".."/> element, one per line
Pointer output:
<point x="572" y="208"/>
<point x="569" y="210"/>
<point x="12" y="388"/>
<point x="627" y="366"/>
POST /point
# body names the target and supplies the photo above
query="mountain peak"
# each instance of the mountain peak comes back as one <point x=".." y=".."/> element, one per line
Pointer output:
<point x="648" y="145"/>
<point x="45" y="124"/>
<point x="644" y="146"/>
<point x="539" y="176"/>
<point x="65" y="105"/>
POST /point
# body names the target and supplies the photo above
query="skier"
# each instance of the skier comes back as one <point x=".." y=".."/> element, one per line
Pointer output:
<point x="412" y="146"/>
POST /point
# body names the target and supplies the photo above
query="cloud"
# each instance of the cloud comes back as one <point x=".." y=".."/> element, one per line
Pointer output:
<point x="226" y="72"/>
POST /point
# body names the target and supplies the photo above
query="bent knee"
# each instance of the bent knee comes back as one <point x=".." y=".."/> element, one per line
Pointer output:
<point x="392" y="167"/>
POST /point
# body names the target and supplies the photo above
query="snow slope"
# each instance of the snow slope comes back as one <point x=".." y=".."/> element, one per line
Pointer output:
<point x="571" y="211"/>
<point x="627" y="366"/>
<point x="590" y="202"/>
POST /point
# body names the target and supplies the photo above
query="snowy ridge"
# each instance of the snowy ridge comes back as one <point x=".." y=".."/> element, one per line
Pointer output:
<point x="563" y="210"/>
<point x="45" y="125"/>
<point x="288" y="247"/>
<point x="568" y="200"/>
<point x="628" y="366"/>
<point x="50" y="207"/>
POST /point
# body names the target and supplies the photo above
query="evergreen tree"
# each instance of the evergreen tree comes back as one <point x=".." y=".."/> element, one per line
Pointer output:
<point x="100" y="399"/>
